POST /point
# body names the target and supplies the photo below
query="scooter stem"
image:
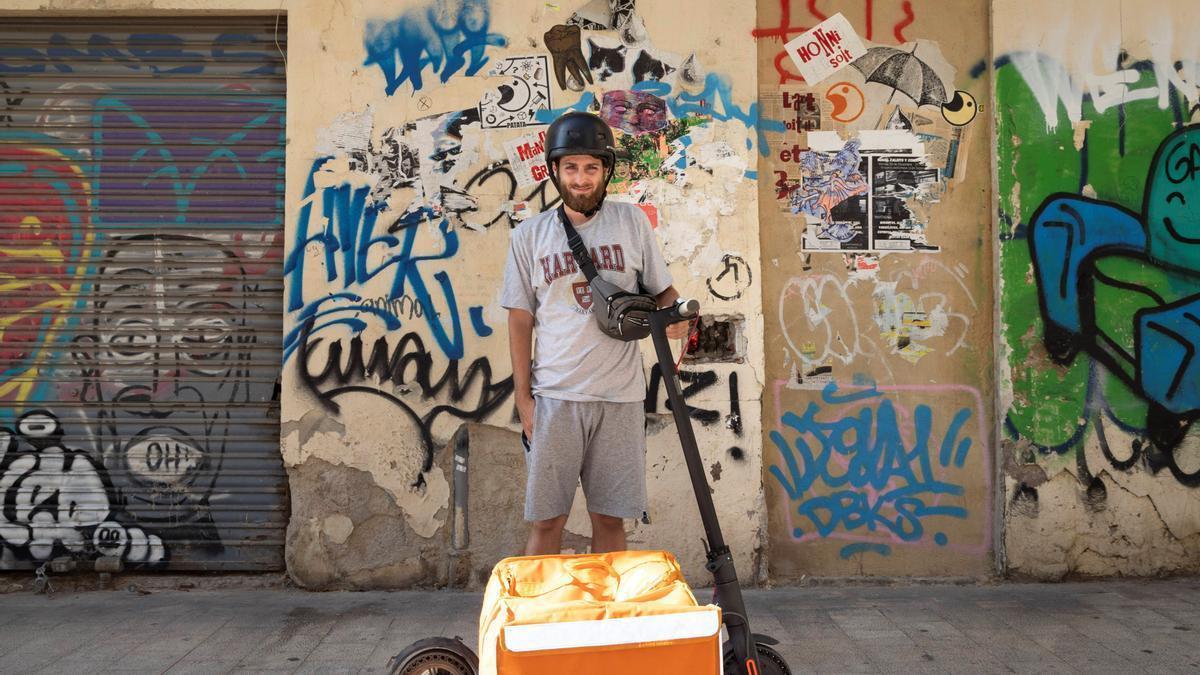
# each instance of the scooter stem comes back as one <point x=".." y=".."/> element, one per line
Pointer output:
<point x="720" y="560"/>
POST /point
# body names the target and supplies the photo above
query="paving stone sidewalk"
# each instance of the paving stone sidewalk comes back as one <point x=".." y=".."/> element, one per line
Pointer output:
<point x="1096" y="627"/>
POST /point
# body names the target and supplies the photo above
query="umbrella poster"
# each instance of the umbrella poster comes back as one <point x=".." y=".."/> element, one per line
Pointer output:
<point x="826" y="49"/>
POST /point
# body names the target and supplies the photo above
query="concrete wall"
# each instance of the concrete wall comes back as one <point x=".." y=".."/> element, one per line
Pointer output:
<point x="394" y="336"/>
<point x="878" y="406"/>
<point x="847" y="394"/>
<point x="1098" y="381"/>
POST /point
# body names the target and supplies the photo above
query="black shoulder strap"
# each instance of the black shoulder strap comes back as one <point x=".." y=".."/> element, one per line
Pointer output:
<point x="578" y="251"/>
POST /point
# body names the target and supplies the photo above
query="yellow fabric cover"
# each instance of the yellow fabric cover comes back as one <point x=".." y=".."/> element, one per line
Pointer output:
<point x="565" y="588"/>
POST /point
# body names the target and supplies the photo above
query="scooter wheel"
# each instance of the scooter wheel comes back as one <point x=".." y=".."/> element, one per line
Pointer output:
<point x="770" y="662"/>
<point x="435" y="656"/>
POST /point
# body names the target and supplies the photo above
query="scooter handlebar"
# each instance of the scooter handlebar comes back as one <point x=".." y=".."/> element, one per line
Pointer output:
<point x="684" y="309"/>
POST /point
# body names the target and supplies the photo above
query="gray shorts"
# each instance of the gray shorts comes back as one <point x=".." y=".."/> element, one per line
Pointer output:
<point x="599" y="443"/>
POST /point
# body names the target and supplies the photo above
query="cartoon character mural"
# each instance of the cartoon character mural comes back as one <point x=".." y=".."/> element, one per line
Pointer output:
<point x="1089" y="255"/>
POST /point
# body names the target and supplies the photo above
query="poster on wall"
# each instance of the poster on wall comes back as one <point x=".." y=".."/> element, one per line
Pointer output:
<point x="826" y="49"/>
<point x="525" y="155"/>
<point x="856" y="199"/>
<point x="895" y="179"/>
<point x="525" y="91"/>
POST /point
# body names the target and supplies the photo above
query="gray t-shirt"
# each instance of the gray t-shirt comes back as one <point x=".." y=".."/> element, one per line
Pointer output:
<point x="572" y="359"/>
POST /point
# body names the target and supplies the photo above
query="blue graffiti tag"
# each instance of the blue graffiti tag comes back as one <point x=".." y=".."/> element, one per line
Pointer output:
<point x="885" y="484"/>
<point x="440" y="35"/>
<point x="716" y="101"/>
<point x="345" y="243"/>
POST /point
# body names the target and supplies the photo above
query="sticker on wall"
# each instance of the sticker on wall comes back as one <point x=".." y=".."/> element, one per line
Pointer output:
<point x="634" y="112"/>
<point x="826" y="49"/>
<point x="525" y="91"/>
<point x="848" y="101"/>
<point x="605" y="60"/>
<point x="960" y="109"/>
<point x="570" y="67"/>
<point x="526" y="157"/>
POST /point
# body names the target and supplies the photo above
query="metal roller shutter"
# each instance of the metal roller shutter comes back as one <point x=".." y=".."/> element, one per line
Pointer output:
<point x="141" y="217"/>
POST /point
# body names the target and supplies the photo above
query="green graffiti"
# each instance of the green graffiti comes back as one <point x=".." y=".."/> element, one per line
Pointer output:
<point x="1110" y="151"/>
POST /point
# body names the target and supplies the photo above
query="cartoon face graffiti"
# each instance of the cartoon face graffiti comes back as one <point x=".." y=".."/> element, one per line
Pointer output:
<point x="55" y="501"/>
<point x="1173" y="201"/>
<point x="162" y="360"/>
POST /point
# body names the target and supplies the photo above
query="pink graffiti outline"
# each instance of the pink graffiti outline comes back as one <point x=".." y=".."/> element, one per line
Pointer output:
<point x="985" y="536"/>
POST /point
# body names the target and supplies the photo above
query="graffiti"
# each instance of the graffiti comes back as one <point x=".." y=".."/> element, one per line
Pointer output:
<point x="903" y="72"/>
<point x="859" y="198"/>
<point x="827" y="180"/>
<point x="144" y="53"/>
<point x="570" y="68"/>
<point x="633" y="112"/>
<point x="387" y="370"/>
<point x="12" y="100"/>
<point x="57" y="501"/>
<point x="646" y="68"/>
<point x="826" y="49"/>
<point x="912" y="311"/>
<point x="445" y="35"/>
<point x="163" y="384"/>
<point x="541" y="197"/>
<point x="357" y="246"/>
<point x="733" y="279"/>
<point x="806" y="111"/>
<point x="140" y="352"/>
<point x="1117" y="383"/>
<point x="1052" y="84"/>
<point x="785" y="31"/>
<point x="151" y="170"/>
<point x="1089" y="254"/>
<point x="404" y="306"/>
<point x="859" y="466"/>
<point x="525" y="91"/>
<point x="527" y="158"/>
<point x="714" y="101"/>
<point x="659" y="154"/>
<point x="695" y="381"/>
<point x="44" y="200"/>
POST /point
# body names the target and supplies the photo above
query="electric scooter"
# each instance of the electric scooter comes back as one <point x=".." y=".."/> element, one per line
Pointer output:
<point x="745" y="653"/>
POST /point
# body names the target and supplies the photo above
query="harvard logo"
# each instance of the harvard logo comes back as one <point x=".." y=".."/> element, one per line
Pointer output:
<point x="583" y="294"/>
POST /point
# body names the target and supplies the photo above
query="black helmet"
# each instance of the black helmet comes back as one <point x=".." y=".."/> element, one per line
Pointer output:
<point x="580" y="133"/>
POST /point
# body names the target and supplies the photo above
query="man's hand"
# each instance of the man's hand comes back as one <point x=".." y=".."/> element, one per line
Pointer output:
<point x="678" y="330"/>
<point x="525" y="410"/>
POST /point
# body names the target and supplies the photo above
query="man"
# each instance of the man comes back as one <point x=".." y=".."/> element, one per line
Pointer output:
<point x="581" y="403"/>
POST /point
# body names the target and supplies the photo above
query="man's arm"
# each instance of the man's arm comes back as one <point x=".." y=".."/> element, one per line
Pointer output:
<point x="675" y="331"/>
<point x="520" y="351"/>
<point x="667" y="297"/>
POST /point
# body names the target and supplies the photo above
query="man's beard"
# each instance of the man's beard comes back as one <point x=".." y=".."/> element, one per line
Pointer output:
<point x="582" y="203"/>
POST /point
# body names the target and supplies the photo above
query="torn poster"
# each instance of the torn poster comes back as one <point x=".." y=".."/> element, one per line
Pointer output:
<point x="526" y="155"/>
<point x="857" y="198"/>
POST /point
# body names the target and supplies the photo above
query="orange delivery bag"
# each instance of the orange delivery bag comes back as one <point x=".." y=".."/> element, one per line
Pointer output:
<point x="596" y="614"/>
